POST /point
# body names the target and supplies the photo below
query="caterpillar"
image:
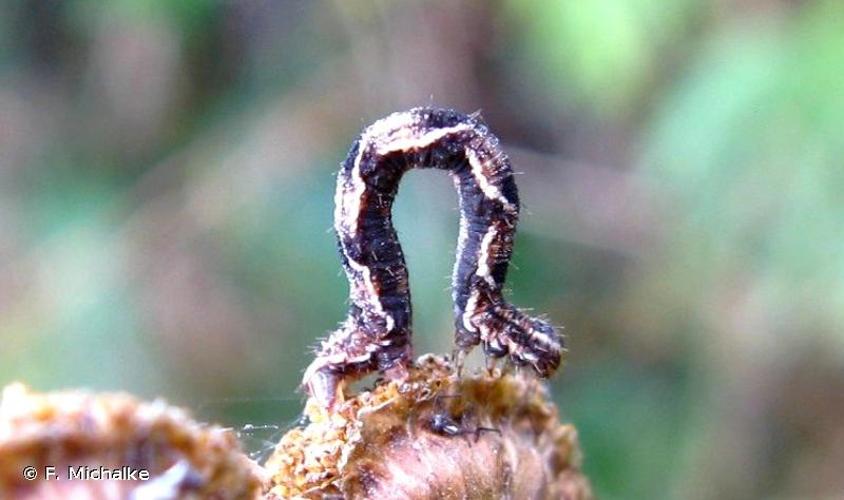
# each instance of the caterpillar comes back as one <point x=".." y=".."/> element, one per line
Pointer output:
<point x="376" y="334"/>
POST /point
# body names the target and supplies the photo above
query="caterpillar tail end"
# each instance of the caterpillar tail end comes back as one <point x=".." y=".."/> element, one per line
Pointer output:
<point x="322" y="384"/>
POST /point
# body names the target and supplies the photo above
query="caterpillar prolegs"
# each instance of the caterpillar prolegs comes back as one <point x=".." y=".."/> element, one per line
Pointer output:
<point x="376" y="334"/>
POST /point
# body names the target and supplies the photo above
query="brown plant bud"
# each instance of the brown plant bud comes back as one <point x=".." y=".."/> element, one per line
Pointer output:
<point x="115" y="433"/>
<point x="433" y="436"/>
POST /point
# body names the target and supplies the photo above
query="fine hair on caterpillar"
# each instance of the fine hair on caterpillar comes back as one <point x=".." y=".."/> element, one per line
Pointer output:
<point x="376" y="334"/>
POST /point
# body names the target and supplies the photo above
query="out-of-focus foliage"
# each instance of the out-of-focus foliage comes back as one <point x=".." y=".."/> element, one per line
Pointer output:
<point x="749" y="145"/>
<point x="606" y="51"/>
<point x="166" y="190"/>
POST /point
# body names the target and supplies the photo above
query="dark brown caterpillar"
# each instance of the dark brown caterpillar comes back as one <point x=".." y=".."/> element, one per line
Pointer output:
<point x="376" y="332"/>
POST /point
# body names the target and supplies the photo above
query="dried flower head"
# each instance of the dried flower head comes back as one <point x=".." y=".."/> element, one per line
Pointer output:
<point x="185" y="459"/>
<point x="433" y="436"/>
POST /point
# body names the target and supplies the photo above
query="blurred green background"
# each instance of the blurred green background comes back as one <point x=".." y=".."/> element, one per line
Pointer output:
<point x="166" y="184"/>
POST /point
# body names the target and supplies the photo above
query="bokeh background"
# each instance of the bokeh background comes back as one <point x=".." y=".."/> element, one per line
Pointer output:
<point x="166" y="184"/>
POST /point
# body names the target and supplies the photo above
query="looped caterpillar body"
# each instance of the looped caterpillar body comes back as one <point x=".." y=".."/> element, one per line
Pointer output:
<point x="376" y="334"/>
